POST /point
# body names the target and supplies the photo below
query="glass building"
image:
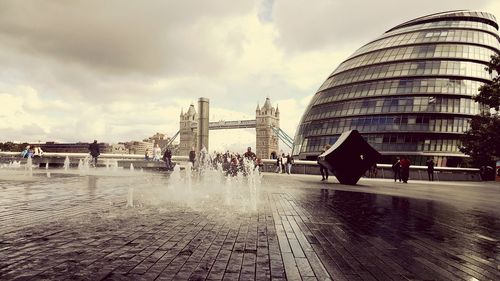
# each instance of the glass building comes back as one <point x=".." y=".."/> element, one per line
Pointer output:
<point x="408" y="92"/>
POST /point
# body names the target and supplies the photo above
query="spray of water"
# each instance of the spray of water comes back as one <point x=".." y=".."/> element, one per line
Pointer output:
<point x="209" y="183"/>
<point x="66" y="163"/>
<point x="29" y="167"/>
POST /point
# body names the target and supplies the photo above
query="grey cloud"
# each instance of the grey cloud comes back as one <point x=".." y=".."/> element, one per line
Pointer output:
<point x="336" y="23"/>
<point x="27" y="133"/>
<point x="151" y="37"/>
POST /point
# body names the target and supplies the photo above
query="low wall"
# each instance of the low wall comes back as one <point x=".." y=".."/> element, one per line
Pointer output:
<point x="385" y="171"/>
<point x="57" y="160"/>
<point x="300" y="166"/>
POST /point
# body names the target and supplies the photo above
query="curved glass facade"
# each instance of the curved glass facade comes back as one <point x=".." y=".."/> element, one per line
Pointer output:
<point x="407" y="92"/>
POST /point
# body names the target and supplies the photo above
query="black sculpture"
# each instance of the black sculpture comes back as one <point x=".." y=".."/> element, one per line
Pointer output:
<point x="349" y="158"/>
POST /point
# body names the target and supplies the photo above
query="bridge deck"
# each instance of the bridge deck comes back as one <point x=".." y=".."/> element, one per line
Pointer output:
<point x="225" y="125"/>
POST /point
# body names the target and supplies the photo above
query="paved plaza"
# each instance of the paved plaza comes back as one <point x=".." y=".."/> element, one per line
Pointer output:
<point x="74" y="227"/>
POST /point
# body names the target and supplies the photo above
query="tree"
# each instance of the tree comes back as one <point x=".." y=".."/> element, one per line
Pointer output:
<point x="21" y="146"/>
<point x="9" y="146"/>
<point x="482" y="140"/>
<point x="489" y="94"/>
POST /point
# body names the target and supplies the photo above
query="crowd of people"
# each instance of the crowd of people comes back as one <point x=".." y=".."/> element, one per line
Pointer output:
<point x="32" y="152"/>
<point x="230" y="162"/>
<point x="283" y="163"/>
<point x="401" y="169"/>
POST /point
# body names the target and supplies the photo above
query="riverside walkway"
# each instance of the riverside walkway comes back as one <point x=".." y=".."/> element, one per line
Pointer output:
<point x="78" y="227"/>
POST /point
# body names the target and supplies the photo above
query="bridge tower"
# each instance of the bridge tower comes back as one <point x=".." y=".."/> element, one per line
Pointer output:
<point x="188" y="131"/>
<point x="266" y="139"/>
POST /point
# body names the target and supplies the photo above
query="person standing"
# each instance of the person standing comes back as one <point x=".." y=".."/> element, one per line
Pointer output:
<point x="279" y="161"/>
<point x="156" y="153"/>
<point x="94" y="151"/>
<point x="405" y="169"/>
<point x="25" y="152"/>
<point x="283" y="163"/>
<point x="37" y="152"/>
<point x="273" y="155"/>
<point x="146" y="154"/>
<point x="167" y="157"/>
<point x="322" y="169"/>
<point x="396" y="168"/>
<point x="289" y="163"/>
<point x="430" y="169"/>
<point x="192" y="156"/>
<point x="249" y="155"/>
<point x="234" y="165"/>
<point x="259" y="163"/>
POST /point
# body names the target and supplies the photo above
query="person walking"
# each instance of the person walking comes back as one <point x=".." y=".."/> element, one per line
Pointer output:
<point x="405" y="169"/>
<point x="289" y="163"/>
<point x="94" y="151"/>
<point x="396" y="168"/>
<point x="430" y="168"/>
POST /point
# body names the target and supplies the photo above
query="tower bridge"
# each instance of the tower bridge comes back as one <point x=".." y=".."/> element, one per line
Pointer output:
<point x="194" y="126"/>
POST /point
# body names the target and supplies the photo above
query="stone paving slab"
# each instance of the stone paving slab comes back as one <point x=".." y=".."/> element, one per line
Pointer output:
<point x="78" y="228"/>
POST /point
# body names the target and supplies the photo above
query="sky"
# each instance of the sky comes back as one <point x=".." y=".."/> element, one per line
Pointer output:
<point x="122" y="70"/>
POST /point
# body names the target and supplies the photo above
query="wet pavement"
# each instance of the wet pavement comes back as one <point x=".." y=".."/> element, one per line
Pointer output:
<point x="78" y="227"/>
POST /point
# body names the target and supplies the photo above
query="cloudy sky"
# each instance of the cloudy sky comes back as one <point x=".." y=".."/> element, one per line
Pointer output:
<point x="122" y="70"/>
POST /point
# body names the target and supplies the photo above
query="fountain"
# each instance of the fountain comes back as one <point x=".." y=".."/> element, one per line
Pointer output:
<point x="66" y="163"/>
<point x="84" y="165"/>
<point x="184" y="187"/>
<point x="47" y="166"/>
<point x="130" y="197"/>
<point x="175" y="176"/>
<point x="29" y="166"/>
<point x="189" y="169"/>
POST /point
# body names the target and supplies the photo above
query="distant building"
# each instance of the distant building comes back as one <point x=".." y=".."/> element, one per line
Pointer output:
<point x="138" y="147"/>
<point x="119" y="148"/>
<point x="158" y="138"/>
<point x="79" y="147"/>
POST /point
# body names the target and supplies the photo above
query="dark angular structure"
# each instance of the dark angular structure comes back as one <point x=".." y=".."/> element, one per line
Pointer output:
<point x="350" y="157"/>
<point x="408" y="92"/>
